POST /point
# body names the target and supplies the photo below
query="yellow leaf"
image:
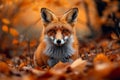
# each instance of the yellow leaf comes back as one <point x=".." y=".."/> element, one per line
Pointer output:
<point x="5" y="28"/>
<point x="5" y="21"/>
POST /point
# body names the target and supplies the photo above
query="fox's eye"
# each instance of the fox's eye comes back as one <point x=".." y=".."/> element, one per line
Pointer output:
<point x="51" y="32"/>
<point x="66" y="32"/>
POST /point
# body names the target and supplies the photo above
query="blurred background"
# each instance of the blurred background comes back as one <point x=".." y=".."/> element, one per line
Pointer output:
<point x="20" y="22"/>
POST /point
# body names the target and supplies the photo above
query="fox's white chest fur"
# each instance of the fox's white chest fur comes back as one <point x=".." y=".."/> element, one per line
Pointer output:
<point x="59" y="53"/>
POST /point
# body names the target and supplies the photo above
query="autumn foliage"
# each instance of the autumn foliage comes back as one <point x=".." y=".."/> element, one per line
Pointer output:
<point x="98" y="34"/>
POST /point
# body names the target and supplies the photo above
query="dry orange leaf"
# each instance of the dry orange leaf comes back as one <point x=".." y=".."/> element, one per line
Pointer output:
<point x="4" y="68"/>
<point x="114" y="36"/>
<point x="22" y="65"/>
<point x="102" y="65"/>
<point x="101" y="58"/>
<point x="79" y="65"/>
<point x="23" y="43"/>
<point x="59" y="68"/>
<point x="103" y="69"/>
<point x="15" y="41"/>
<point x="104" y="43"/>
<point x="13" y="32"/>
<point x="5" y="28"/>
<point x="5" y="21"/>
<point x="33" y="43"/>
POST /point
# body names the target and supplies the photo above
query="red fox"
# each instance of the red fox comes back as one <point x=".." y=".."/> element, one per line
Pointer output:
<point x="58" y="41"/>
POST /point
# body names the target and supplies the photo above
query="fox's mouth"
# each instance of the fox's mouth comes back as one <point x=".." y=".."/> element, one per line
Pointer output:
<point x="58" y="45"/>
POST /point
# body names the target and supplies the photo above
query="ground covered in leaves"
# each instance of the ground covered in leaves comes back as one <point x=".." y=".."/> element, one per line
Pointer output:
<point x="100" y="61"/>
<point x="19" y="38"/>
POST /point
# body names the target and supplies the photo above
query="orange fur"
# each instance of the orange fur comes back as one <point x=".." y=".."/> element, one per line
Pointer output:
<point x="40" y="57"/>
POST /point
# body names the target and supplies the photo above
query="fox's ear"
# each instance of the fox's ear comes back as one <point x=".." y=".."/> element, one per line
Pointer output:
<point x="71" y="15"/>
<point x="47" y="16"/>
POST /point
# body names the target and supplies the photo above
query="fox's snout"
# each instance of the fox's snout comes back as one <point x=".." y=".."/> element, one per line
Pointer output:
<point x="59" y="42"/>
<point x="59" y="38"/>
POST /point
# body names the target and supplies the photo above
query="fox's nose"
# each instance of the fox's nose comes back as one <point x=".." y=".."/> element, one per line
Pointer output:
<point x="58" y="41"/>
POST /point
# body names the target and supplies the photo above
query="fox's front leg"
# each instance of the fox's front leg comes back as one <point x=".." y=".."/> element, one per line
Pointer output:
<point x="67" y="59"/>
<point x="52" y="61"/>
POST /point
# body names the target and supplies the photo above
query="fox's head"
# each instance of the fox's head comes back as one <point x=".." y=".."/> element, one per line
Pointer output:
<point x="59" y="30"/>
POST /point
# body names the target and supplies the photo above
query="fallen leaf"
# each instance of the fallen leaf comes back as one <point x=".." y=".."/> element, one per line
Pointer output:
<point x="4" y="68"/>
<point x="14" y="32"/>
<point x="79" y="65"/>
<point x="114" y="36"/>
<point x="5" y="28"/>
<point x="100" y="58"/>
<point x="5" y="21"/>
<point x="15" y="41"/>
<point x="59" y="68"/>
